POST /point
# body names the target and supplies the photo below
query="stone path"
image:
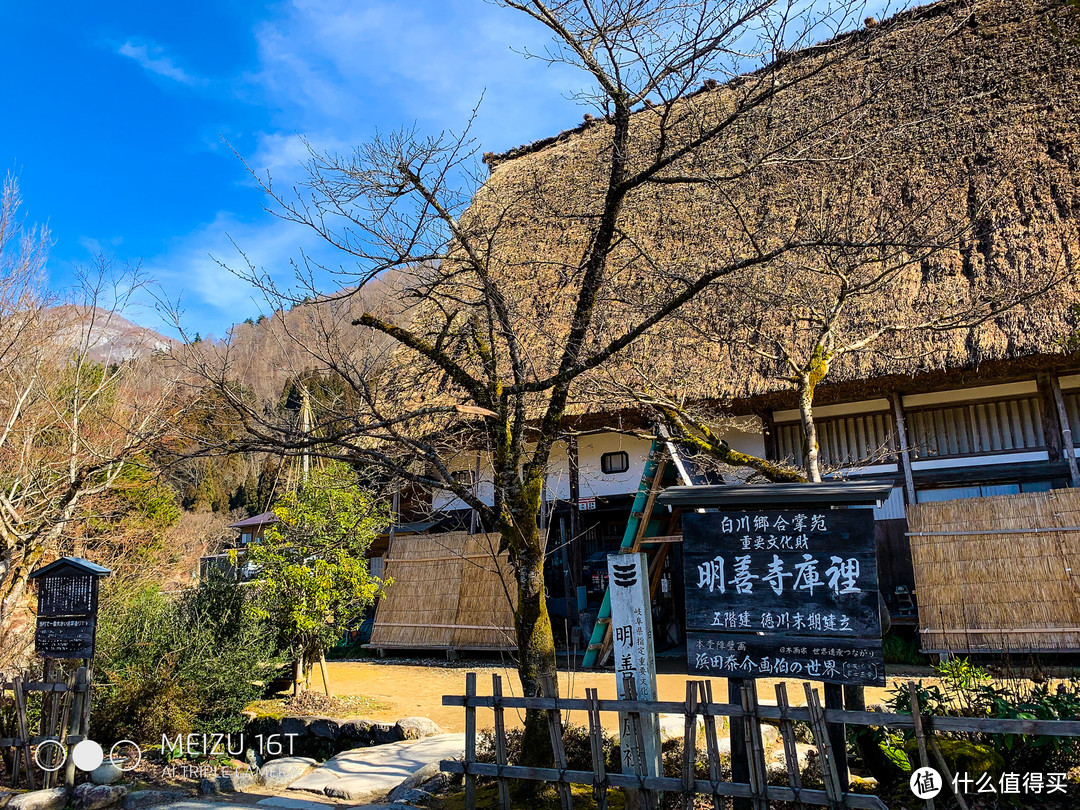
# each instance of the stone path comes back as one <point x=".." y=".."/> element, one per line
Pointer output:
<point x="364" y="774"/>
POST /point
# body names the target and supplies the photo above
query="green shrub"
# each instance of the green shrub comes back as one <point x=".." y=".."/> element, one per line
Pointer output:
<point x="964" y="756"/>
<point x="967" y="690"/>
<point x="178" y="664"/>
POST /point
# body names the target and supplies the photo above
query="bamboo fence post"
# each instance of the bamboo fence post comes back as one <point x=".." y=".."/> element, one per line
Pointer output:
<point x="79" y="695"/>
<point x="470" y="741"/>
<point x="596" y="742"/>
<point x="824" y="746"/>
<point x="53" y="730"/>
<point x="946" y="772"/>
<point x="740" y="765"/>
<point x="24" y="731"/>
<point x="755" y="749"/>
<point x="689" y="745"/>
<point x="712" y="743"/>
<point x="787" y="735"/>
<point x="642" y="796"/>
<point x="555" y="729"/>
<point x="834" y="699"/>
<point x="500" y="739"/>
<point x="47" y="698"/>
<point x="920" y="735"/>
<point x="66" y="711"/>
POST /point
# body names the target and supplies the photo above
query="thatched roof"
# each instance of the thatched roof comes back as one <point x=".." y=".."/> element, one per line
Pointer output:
<point x="984" y="123"/>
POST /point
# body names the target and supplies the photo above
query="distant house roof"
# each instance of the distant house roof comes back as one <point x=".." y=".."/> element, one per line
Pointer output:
<point x="259" y="520"/>
<point x="78" y="563"/>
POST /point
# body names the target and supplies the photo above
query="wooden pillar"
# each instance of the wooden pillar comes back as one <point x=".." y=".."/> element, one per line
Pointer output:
<point x="904" y="450"/>
<point x="577" y="564"/>
<point x="1051" y="423"/>
<point x="768" y="434"/>
<point x="1069" y="448"/>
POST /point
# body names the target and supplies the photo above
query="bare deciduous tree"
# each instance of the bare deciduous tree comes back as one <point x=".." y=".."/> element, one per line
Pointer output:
<point x="72" y="412"/>
<point x="490" y="336"/>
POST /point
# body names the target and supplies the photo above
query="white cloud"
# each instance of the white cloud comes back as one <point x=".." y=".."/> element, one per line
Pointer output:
<point x="152" y="58"/>
<point x="212" y="294"/>
<point x="343" y="67"/>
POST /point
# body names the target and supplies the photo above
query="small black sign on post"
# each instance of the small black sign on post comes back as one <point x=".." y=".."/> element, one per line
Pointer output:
<point x="781" y="581"/>
<point x="67" y="608"/>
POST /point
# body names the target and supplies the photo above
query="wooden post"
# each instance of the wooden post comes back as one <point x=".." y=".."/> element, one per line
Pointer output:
<point x="904" y="451"/>
<point x="470" y="741"/>
<point x="23" y="728"/>
<point x="920" y="736"/>
<point x="943" y="766"/>
<point x="712" y="743"/>
<point x="325" y="679"/>
<point x="834" y="699"/>
<point x="53" y="729"/>
<point x="78" y="696"/>
<point x="689" y="744"/>
<point x="48" y="699"/>
<point x="787" y="735"/>
<point x="643" y="796"/>
<point x="555" y="730"/>
<point x="596" y="742"/>
<point x="755" y="749"/>
<point x="500" y="739"/>
<point x="1069" y="448"/>
<point x="740" y="763"/>
<point x="66" y="713"/>
<point x="824" y="746"/>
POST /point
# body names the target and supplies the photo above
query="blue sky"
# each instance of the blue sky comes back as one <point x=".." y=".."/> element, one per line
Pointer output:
<point x="115" y="114"/>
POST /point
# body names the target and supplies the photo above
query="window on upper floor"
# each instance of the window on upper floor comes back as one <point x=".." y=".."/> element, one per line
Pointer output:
<point x="464" y="477"/>
<point x="618" y="462"/>
<point x="976" y="428"/>
<point x="844" y="441"/>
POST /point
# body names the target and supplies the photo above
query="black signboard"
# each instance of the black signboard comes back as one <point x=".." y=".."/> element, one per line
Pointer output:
<point x="67" y="604"/>
<point x="65" y="638"/>
<point x="67" y="594"/>
<point x="795" y="572"/>
<point x="749" y="655"/>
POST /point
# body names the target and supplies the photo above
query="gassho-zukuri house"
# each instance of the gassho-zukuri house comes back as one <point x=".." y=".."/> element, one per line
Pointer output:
<point x="952" y="419"/>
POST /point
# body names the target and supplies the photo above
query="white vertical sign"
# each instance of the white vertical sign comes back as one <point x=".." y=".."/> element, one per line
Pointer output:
<point x="633" y="653"/>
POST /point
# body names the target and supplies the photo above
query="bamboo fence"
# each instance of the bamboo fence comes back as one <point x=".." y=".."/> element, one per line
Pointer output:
<point x="448" y="593"/>
<point x="998" y="574"/>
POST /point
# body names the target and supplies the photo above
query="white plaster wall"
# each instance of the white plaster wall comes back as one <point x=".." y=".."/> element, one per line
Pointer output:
<point x="593" y="481"/>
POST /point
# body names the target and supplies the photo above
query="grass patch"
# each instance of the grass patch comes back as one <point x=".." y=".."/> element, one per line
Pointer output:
<point x="487" y="798"/>
<point x="339" y="706"/>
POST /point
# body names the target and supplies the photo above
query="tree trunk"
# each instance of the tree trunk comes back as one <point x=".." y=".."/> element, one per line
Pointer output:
<point x="810" y="450"/>
<point x="537" y="668"/>
<point x="807" y="383"/>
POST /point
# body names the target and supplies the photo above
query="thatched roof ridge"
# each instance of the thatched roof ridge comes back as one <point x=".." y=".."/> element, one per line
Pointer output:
<point x="494" y="159"/>
<point x="998" y="134"/>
